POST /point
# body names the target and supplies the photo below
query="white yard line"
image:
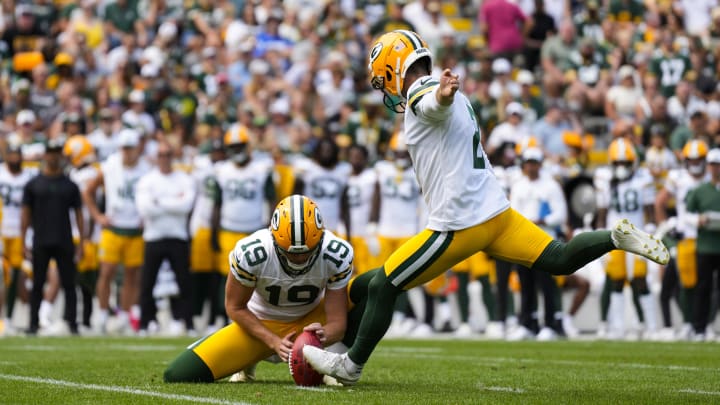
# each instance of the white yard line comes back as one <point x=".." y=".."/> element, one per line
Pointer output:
<point x="511" y="390"/>
<point x="699" y="392"/>
<point x="123" y="390"/>
<point x="392" y="353"/>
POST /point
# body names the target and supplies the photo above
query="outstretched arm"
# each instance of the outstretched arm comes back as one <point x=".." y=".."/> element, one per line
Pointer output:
<point x="449" y="84"/>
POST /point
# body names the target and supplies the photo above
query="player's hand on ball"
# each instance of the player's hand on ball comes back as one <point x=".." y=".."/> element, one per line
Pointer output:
<point x="318" y="329"/>
<point x="284" y="346"/>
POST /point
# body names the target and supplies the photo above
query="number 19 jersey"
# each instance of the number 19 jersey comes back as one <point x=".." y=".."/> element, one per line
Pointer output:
<point x="279" y="296"/>
<point x="455" y="176"/>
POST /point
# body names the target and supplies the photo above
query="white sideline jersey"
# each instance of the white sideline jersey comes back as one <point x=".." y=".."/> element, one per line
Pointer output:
<point x="325" y="187"/>
<point x="628" y="198"/>
<point x="454" y="174"/>
<point x="399" y="201"/>
<point x="11" y="192"/>
<point x="120" y="185"/>
<point x="203" y="173"/>
<point x="360" y="190"/>
<point x="680" y="182"/>
<point x="242" y="190"/>
<point x="279" y="296"/>
<point x="82" y="178"/>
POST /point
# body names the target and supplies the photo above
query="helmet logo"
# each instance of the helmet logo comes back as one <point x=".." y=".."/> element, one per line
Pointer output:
<point x="375" y="51"/>
<point x="318" y="219"/>
<point x="275" y="220"/>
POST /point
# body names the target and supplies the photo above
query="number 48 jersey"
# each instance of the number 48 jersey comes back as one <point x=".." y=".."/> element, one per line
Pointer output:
<point x="279" y="296"/>
<point x="628" y="198"/>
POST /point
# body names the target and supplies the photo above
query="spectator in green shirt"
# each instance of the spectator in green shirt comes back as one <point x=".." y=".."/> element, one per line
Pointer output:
<point x="122" y="18"/>
<point x="705" y="201"/>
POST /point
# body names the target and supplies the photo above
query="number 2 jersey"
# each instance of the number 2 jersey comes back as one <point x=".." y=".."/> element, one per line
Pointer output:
<point x="455" y="176"/>
<point x="279" y="296"/>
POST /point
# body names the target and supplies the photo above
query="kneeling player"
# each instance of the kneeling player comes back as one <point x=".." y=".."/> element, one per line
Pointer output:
<point x="281" y="280"/>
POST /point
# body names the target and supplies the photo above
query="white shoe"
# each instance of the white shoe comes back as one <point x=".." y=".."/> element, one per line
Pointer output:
<point x="422" y="330"/>
<point x="45" y="314"/>
<point x="331" y="381"/>
<point x="6" y="328"/>
<point x="666" y="335"/>
<point x="685" y="332"/>
<point x="547" y="334"/>
<point x="626" y="236"/>
<point x="464" y="331"/>
<point x="59" y="328"/>
<point x="569" y="327"/>
<point x="245" y="375"/>
<point x="709" y="334"/>
<point x="520" y="333"/>
<point x="602" y="331"/>
<point x="175" y="328"/>
<point x="332" y="364"/>
<point x="495" y="330"/>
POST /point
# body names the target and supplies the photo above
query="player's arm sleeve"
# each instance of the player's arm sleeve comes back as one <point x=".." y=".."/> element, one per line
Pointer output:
<point x="343" y="260"/>
<point x="422" y="101"/>
<point x="240" y="269"/>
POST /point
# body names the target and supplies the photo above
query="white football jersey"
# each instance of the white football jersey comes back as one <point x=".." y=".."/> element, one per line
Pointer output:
<point x="679" y="183"/>
<point x="325" y="187"/>
<point x="103" y="144"/>
<point x="399" y="201"/>
<point x="242" y="190"/>
<point x="120" y="185"/>
<point x="82" y="178"/>
<point x="11" y="192"/>
<point x="455" y="176"/>
<point x="628" y="198"/>
<point x="203" y="172"/>
<point x="360" y="190"/>
<point x="279" y="296"/>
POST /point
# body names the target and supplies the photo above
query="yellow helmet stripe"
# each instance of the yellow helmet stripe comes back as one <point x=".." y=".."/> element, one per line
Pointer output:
<point x="296" y="220"/>
<point x="412" y="37"/>
<point x="694" y="149"/>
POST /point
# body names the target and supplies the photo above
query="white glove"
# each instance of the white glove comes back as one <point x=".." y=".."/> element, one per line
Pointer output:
<point x="371" y="240"/>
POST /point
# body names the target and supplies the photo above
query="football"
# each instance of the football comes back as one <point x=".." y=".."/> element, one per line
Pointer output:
<point x="301" y="371"/>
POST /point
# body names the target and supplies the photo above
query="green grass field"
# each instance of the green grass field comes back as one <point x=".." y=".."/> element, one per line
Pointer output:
<point x="129" y="370"/>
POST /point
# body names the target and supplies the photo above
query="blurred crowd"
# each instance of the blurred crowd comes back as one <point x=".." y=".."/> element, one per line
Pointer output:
<point x="287" y="80"/>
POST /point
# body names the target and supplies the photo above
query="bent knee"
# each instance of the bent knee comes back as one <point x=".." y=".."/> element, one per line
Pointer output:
<point x="188" y="367"/>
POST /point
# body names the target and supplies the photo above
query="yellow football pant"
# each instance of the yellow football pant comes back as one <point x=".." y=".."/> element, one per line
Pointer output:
<point x="687" y="262"/>
<point x="227" y="240"/>
<point x="618" y="263"/>
<point x="115" y="249"/>
<point x="362" y="260"/>
<point x="231" y="349"/>
<point x="203" y="258"/>
<point x="508" y="236"/>
<point x="14" y="252"/>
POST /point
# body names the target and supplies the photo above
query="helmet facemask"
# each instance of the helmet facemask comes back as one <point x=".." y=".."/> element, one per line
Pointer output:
<point x="292" y="268"/>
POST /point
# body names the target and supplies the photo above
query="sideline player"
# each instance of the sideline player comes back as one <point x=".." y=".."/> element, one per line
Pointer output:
<point x="468" y="209"/>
